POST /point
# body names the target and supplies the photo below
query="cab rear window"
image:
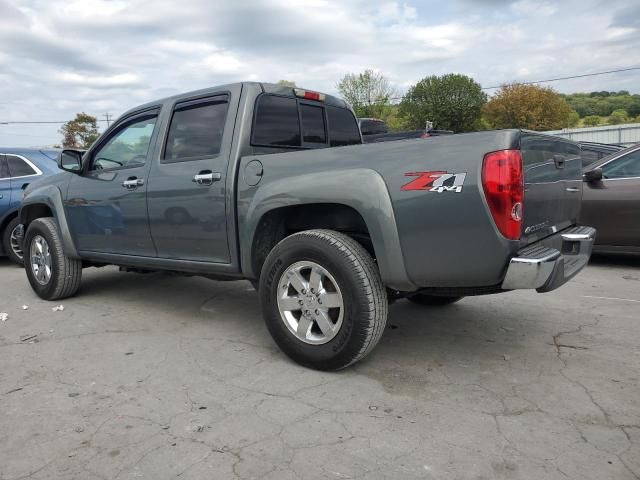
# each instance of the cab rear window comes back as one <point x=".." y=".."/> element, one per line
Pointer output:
<point x="276" y="122"/>
<point x="287" y="122"/>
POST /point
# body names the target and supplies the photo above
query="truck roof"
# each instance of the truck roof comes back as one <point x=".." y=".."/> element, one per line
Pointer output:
<point x="266" y="88"/>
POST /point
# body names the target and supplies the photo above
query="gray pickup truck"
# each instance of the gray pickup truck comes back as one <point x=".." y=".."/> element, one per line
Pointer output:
<point x="273" y="184"/>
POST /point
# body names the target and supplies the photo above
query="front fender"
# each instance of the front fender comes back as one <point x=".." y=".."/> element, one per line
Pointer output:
<point x="51" y="197"/>
<point x="364" y="190"/>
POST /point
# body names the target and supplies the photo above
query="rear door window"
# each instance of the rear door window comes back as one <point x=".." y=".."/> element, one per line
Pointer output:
<point x="196" y="130"/>
<point x="276" y="123"/>
<point x="343" y="127"/>
<point x="18" y="167"/>
<point x="313" y="129"/>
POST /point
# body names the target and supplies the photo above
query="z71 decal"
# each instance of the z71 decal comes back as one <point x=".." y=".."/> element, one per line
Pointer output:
<point x="438" y="181"/>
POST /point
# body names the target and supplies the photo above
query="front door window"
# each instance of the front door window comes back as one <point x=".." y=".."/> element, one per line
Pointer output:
<point x="127" y="148"/>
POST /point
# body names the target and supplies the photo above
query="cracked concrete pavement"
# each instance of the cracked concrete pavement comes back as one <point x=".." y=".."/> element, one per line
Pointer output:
<point x="155" y="376"/>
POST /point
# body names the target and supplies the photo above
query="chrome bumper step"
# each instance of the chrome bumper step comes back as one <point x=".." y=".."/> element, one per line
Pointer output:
<point x="548" y="264"/>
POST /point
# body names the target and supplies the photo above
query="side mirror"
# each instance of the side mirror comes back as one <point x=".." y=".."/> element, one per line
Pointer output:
<point x="70" y="160"/>
<point x="594" y="175"/>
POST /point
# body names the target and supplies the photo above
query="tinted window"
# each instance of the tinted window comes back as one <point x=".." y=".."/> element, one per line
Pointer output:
<point x="343" y="128"/>
<point x="313" y="130"/>
<point x="623" y="167"/>
<point x="196" y="130"/>
<point x="372" y="127"/>
<point x="4" y="170"/>
<point x="589" y="156"/>
<point x="127" y="148"/>
<point x="277" y="122"/>
<point x="18" y="167"/>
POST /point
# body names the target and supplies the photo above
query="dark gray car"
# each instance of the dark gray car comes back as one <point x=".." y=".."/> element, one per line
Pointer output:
<point x="272" y="184"/>
<point x="611" y="201"/>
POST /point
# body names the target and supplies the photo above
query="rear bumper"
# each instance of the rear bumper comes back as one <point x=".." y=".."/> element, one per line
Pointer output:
<point x="550" y="263"/>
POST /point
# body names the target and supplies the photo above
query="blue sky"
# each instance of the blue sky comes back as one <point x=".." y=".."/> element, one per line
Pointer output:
<point x="62" y="57"/>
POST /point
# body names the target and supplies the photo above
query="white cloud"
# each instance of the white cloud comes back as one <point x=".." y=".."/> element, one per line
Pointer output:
<point x="532" y="7"/>
<point x="60" y="57"/>
<point x="106" y="81"/>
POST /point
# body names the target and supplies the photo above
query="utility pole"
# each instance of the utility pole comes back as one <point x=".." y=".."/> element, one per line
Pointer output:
<point x="108" y="117"/>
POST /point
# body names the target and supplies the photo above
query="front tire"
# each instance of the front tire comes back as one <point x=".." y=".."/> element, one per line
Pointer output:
<point x="51" y="273"/>
<point x="10" y="242"/>
<point x="322" y="299"/>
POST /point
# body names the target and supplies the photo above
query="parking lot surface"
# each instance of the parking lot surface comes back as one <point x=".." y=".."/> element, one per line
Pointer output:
<point x="156" y="376"/>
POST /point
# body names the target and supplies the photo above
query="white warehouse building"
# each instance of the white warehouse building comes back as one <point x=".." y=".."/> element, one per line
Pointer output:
<point x="625" y="134"/>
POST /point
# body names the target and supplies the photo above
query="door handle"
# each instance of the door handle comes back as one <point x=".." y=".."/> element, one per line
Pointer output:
<point x="572" y="189"/>
<point x="132" y="183"/>
<point x="206" y="177"/>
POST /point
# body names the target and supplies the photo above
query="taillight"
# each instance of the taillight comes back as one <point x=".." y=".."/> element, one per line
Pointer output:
<point x="502" y="181"/>
<point x="424" y="135"/>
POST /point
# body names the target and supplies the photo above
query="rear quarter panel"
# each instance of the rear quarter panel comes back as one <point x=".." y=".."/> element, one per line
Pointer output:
<point x="445" y="239"/>
<point x="449" y="238"/>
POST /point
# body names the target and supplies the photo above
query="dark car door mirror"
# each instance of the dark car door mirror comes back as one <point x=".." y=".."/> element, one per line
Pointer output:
<point x="70" y="160"/>
<point x="594" y="175"/>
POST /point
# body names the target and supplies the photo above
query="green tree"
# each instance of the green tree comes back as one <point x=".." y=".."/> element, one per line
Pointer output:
<point x="451" y="102"/>
<point x="391" y="116"/>
<point x="369" y="92"/>
<point x="574" y="119"/>
<point x="618" y="116"/>
<point x="80" y="132"/>
<point x="528" y="106"/>
<point x="604" y="103"/>
<point x="592" y="121"/>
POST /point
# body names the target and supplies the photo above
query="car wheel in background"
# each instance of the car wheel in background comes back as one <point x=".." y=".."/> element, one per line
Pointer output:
<point x="51" y="273"/>
<point x="323" y="300"/>
<point x="10" y="242"/>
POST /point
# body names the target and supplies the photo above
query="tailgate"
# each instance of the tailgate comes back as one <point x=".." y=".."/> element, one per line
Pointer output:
<point x="553" y="185"/>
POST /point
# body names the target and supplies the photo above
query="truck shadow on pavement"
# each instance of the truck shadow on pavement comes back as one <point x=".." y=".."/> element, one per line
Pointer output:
<point x="6" y="263"/>
<point x="476" y="330"/>
<point x="609" y="260"/>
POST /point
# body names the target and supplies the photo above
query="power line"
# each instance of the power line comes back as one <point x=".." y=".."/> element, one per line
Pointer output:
<point x="628" y="69"/>
<point x="52" y="122"/>
<point x="108" y="117"/>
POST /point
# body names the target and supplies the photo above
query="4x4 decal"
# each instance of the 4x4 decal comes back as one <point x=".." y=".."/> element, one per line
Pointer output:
<point x="437" y="181"/>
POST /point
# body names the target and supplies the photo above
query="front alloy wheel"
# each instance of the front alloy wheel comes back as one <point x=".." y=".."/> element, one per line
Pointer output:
<point x="51" y="273"/>
<point x="40" y="260"/>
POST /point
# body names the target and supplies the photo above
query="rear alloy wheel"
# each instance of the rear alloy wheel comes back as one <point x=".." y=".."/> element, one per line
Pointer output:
<point x="51" y="273"/>
<point x="432" y="300"/>
<point x="310" y="303"/>
<point x="323" y="300"/>
<point x="10" y="242"/>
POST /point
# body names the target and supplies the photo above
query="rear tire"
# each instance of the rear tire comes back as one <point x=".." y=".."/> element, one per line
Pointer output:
<point x="432" y="300"/>
<point x="344" y="302"/>
<point x="9" y="242"/>
<point x="51" y="273"/>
